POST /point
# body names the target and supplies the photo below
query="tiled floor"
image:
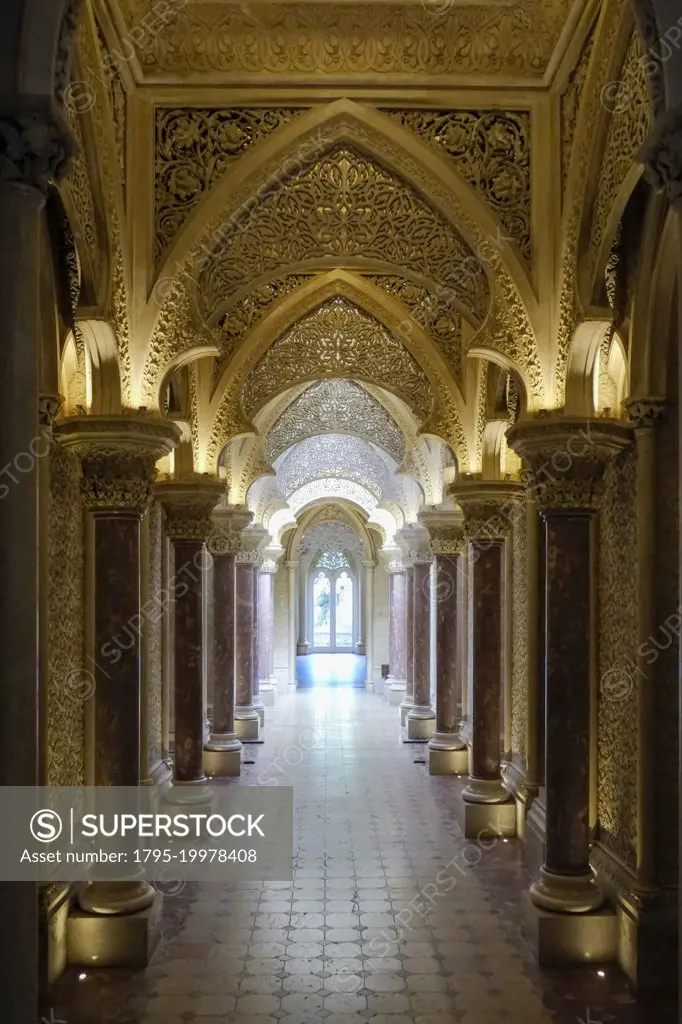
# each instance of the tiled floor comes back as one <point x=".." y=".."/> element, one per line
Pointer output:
<point x="356" y="937"/>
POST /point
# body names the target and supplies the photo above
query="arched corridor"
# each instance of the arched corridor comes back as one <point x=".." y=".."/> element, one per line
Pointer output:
<point x="341" y="400"/>
<point x="392" y="916"/>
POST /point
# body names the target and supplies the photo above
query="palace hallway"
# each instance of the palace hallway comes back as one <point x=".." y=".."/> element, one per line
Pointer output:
<point x="365" y="932"/>
<point x="341" y="344"/>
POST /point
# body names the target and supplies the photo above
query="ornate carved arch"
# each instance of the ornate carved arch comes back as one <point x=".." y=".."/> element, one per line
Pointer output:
<point x="324" y="511"/>
<point x="449" y="411"/>
<point x="345" y="122"/>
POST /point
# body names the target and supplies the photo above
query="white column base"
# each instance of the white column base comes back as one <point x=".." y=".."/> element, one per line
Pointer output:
<point x="420" y="723"/>
<point x="268" y="693"/>
<point x="447" y="755"/>
<point x="189" y="794"/>
<point x="247" y="724"/>
<point x="485" y="791"/>
<point x="395" y="691"/>
<point x="114" y="940"/>
<point x="223" y="764"/>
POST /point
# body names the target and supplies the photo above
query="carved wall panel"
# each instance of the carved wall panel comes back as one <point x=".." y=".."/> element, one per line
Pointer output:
<point x="570" y="105"/>
<point x="628" y="130"/>
<point x="118" y="103"/>
<point x="383" y="39"/>
<point x="491" y="149"/>
<point x="338" y="339"/>
<point x="433" y="311"/>
<point x="344" y="206"/>
<point x="78" y="188"/>
<point x="153" y="630"/>
<point x="619" y="681"/>
<point x="69" y="682"/>
<point x="194" y="147"/>
<point x="335" y="407"/>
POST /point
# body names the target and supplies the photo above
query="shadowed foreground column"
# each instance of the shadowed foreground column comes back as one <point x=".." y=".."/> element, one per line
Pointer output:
<point x="118" y="456"/>
<point x="447" y="752"/>
<point x="222" y="752"/>
<point x="577" y="452"/>
<point x="487" y="506"/>
<point x="188" y="506"/>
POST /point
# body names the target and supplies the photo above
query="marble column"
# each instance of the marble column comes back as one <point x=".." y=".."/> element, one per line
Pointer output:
<point x="396" y="631"/>
<point x="118" y="456"/>
<point x="255" y="662"/>
<point x="447" y="751"/>
<point x="247" y="718"/>
<point x="368" y="604"/>
<point x="408" y="699"/>
<point x="266" y="629"/>
<point x="304" y="645"/>
<point x="421" y="718"/>
<point x="188" y="507"/>
<point x="487" y="506"/>
<point x="222" y="752"/>
<point x="36" y="149"/>
<point x="292" y="571"/>
<point x="568" y="495"/>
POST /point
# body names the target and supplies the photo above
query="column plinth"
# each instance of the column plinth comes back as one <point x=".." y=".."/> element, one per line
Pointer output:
<point x="118" y="456"/>
<point x="188" y="507"/>
<point x="487" y="506"/>
<point x="568" y="494"/>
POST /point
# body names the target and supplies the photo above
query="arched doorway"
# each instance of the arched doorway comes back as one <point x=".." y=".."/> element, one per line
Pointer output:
<point x="332" y="605"/>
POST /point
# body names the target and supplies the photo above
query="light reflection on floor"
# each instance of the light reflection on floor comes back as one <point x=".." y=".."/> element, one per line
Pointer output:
<point x="330" y="670"/>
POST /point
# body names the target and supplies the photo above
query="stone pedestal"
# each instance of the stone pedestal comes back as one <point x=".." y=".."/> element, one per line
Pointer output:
<point x="421" y="718"/>
<point x="578" y="451"/>
<point x="123" y="940"/>
<point x="188" y="507"/>
<point x="487" y="506"/>
<point x="558" y="939"/>
<point x="118" y="456"/>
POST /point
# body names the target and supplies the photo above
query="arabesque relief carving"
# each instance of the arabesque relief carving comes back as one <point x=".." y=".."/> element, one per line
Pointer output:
<point x="570" y="105"/>
<point x="194" y="147"/>
<point x="338" y="339"/>
<point x="385" y="39"/>
<point x="345" y="206"/>
<point x="335" y="407"/>
<point x="491" y="149"/>
<point x="333" y="455"/>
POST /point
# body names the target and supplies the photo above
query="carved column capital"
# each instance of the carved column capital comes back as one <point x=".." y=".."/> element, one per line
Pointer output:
<point x="188" y="506"/>
<point x="645" y="413"/>
<point x="567" y="457"/>
<point x="291" y="565"/>
<point x="252" y="541"/>
<point x="271" y="559"/>
<point x="48" y="410"/>
<point x="118" y="457"/>
<point x="228" y="523"/>
<point x="662" y="154"/>
<point x="446" y="530"/>
<point x="487" y="506"/>
<point x="36" y="147"/>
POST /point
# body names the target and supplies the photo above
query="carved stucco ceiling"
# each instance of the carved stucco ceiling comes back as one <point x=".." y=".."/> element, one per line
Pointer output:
<point x="338" y="340"/>
<point x="194" y="147"/>
<point x="334" y="407"/>
<point x="492" y="151"/>
<point x="343" y="207"/>
<point x="221" y="40"/>
<point x="338" y="456"/>
<point x="331" y="537"/>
